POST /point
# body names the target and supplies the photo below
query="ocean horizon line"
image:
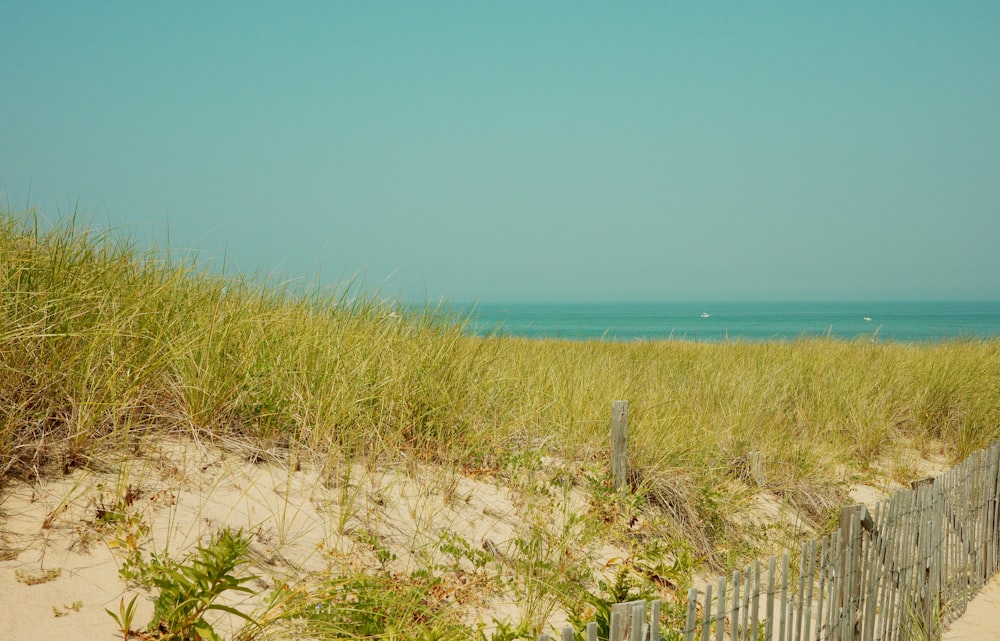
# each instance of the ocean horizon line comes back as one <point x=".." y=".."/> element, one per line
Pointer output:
<point x="898" y="321"/>
<point x="716" y="301"/>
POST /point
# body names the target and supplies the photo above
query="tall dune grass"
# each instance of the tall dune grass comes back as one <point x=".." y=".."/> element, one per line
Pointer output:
<point x="103" y="343"/>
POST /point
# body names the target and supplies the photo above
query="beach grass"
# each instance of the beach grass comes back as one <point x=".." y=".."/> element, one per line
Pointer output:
<point x="105" y="344"/>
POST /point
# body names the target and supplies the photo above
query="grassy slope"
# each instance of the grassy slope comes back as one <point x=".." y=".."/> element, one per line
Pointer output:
<point x="102" y="344"/>
<point x="99" y="340"/>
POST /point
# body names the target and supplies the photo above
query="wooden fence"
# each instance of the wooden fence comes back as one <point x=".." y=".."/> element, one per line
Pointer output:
<point x="898" y="572"/>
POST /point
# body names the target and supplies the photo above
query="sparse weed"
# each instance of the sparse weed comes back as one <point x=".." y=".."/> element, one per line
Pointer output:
<point x="650" y="572"/>
<point x="37" y="578"/>
<point x="458" y="549"/>
<point x="125" y="616"/>
<point x="551" y="567"/>
<point x="372" y="606"/>
<point x="506" y="631"/>
<point x="64" y="610"/>
<point x="382" y="553"/>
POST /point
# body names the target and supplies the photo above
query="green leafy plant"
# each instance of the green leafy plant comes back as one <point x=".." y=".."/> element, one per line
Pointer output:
<point x="136" y="570"/>
<point x="188" y="591"/>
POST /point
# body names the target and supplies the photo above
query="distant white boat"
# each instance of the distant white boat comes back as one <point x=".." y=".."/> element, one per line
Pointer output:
<point x="868" y="318"/>
<point x="705" y="315"/>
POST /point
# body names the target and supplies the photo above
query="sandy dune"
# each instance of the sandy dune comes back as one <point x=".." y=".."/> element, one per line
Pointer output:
<point x="60" y="560"/>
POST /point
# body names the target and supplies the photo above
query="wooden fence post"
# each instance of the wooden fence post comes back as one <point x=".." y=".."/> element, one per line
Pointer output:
<point x="756" y="466"/>
<point x="619" y="440"/>
<point x="850" y="563"/>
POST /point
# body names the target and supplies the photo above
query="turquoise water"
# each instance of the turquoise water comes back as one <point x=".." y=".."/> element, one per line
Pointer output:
<point x="895" y="321"/>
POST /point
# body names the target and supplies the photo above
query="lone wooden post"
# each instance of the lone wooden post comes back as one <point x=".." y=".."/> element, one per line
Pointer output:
<point x="756" y="467"/>
<point x="619" y="440"/>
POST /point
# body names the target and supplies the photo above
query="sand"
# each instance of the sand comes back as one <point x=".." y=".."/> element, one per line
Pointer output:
<point x="981" y="621"/>
<point x="59" y="562"/>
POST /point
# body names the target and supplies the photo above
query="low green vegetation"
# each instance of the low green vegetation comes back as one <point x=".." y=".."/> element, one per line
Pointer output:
<point x="187" y="591"/>
<point x="104" y="345"/>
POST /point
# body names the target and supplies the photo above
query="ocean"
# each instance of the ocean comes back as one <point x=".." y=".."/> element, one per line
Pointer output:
<point x="714" y="322"/>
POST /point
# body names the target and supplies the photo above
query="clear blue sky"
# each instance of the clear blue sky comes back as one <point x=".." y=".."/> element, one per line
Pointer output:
<point x="526" y="150"/>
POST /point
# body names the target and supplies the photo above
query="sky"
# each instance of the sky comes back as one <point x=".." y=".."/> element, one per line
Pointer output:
<point x="524" y="151"/>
